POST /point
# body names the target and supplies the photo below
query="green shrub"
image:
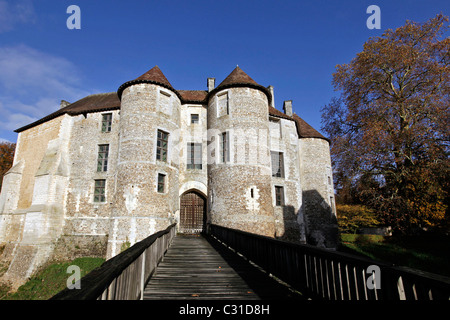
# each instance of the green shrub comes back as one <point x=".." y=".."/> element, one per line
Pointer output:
<point x="352" y="217"/>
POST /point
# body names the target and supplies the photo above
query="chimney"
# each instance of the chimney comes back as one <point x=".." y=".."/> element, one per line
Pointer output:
<point x="287" y="107"/>
<point x="211" y="84"/>
<point x="272" y="102"/>
<point x="64" y="103"/>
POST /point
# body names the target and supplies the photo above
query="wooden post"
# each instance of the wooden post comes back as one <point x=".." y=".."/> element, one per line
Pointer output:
<point x="143" y="274"/>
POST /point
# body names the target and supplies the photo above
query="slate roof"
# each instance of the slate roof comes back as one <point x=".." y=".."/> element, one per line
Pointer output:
<point x="111" y="101"/>
<point x="92" y="103"/>
<point x="193" y="96"/>
<point x="304" y="130"/>
<point x="238" y="78"/>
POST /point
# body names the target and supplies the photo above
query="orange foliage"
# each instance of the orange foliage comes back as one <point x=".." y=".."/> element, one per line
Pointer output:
<point x="391" y="123"/>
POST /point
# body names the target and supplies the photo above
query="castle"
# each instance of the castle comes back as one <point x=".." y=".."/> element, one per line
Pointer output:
<point x="106" y="171"/>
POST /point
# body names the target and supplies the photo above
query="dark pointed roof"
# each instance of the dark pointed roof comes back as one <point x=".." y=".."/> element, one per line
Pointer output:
<point x="238" y="78"/>
<point x="154" y="76"/>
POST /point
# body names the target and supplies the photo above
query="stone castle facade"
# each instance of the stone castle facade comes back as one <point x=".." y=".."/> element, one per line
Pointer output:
<point x="104" y="172"/>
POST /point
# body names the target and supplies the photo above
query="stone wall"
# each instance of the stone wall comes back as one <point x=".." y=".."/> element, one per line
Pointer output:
<point x="32" y="226"/>
<point x="86" y="221"/>
<point x="47" y="207"/>
<point x="289" y="221"/>
<point x="139" y="209"/>
<point x="318" y="192"/>
<point x="240" y="190"/>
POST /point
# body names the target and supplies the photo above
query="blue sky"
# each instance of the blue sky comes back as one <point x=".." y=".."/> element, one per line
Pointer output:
<point x="291" y="45"/>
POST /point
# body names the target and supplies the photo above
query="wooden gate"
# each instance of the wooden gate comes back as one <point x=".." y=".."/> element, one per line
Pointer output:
<point x="192" y="213"/>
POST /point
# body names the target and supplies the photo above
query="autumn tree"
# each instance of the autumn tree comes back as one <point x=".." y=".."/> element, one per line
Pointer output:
<point x="6" y="158"/>
<point x="389" y="127"/>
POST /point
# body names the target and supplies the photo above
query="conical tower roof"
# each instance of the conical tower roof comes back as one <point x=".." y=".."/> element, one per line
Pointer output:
<point x="238" y="78"/>
<point x="153" y="76"/>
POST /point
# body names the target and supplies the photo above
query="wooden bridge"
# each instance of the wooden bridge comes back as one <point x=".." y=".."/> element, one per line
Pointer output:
<point x="197" y="267"/>
<point x="231" y="264"/>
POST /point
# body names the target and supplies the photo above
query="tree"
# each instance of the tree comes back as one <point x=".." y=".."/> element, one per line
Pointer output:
<point x="6" y="158"/>
<point x="389" y="127"/>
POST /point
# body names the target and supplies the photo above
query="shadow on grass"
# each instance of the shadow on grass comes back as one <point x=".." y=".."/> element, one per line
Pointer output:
<point x="427" y="252"/>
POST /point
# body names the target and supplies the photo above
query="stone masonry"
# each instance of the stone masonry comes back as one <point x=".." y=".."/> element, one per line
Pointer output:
<point x="104" y="172"/>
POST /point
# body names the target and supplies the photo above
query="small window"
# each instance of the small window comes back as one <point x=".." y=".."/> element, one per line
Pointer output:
<point x="164" y="102"/>
<point x="329" y="180"/>
<point x="194" y="118"/>
<point x="222" y="105"/>
<point x="333" y="208"/>
<point x="99" y="191"/>
<point x="277" y="164"/>
<point x="194" y="156"/>
<point x="279" y="196"/>
<point x="252" y="193"/>
<point x="225" y="147"/>
<point x="161" y="182"/>
<point x="106" y="122"/>
<point x="102" y="160"/>
<point x="161" y="146"/>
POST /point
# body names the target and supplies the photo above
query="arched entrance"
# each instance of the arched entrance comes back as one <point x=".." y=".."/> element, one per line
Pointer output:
<point x="192" y="212"/>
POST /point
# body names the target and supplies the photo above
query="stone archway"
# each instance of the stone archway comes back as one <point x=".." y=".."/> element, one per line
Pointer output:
<point x="192" y="212"/>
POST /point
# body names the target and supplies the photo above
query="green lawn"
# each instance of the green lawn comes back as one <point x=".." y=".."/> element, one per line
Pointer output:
<point x="429" y="253"/>
<point x="50" y="280"/>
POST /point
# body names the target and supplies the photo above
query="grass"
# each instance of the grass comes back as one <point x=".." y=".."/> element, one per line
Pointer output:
<point x="49" y="280"/>
<point x="429" y="253"/>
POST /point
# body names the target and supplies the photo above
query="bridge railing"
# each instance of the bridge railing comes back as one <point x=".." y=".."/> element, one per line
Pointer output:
<point x="124" y="276"/>
<point x="326" y="274"/>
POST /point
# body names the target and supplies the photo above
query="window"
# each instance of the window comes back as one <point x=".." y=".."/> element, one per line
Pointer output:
<point x="161" y="146"/>
<point x="164" y="102"/>
<point x="279" y="196"/>
<point x="194" y="118"/>
<point x="102" y="160"/>
<point x="99" y="191"/>
<point x="277" y="164"/>
<point x="225" y="147"/>
<point x="106" y="122"/>
<point x="194" y="156"/>
<point x="161" y="182"/>
<point x="275" y="128"/>
<point x="222" y="105"/>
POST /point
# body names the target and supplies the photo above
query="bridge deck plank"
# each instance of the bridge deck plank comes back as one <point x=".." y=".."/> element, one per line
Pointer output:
<point x="195" y="267"/>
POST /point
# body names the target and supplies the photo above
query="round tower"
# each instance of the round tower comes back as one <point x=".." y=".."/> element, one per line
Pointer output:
<point x="239" y="168"/>
<point x="316" y="176"/>
<point x="145" y="197"/>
